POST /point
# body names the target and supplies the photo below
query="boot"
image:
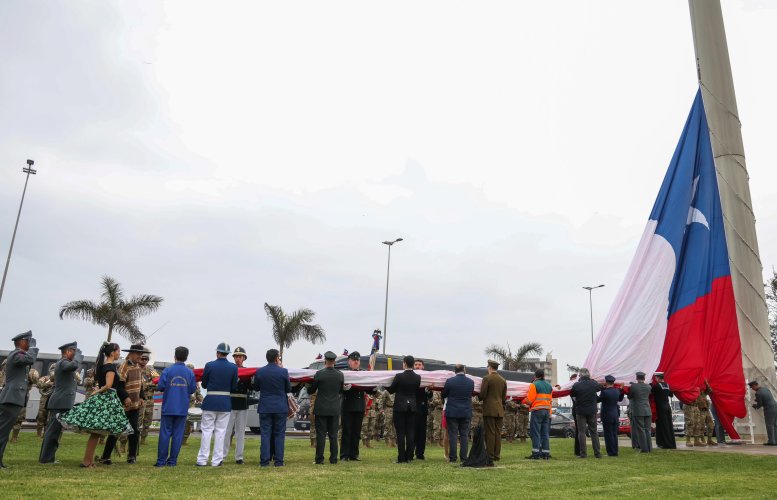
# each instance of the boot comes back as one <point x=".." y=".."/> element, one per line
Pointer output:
<point x="392" y="443"/>
<point x="15" y="436"/>
<point x="312" y="442"/>
<point x="185" y="441"/>
<point x="688" y="442"/>
<point x="40" y="432"/>
<point x="698" y="441"/>
<point x="710" y="442"/>
<point x="368" y="443"/>
<point x="142" y="440"/>
<point x="523" y="439"/>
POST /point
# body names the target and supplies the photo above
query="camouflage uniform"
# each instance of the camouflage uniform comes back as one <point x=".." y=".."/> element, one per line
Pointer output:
<point x="149" y="388"/>
<point x="45" y="387"/>
<point x="389" y="433"/>
<point x="706" y="422"/>
<point x="510" y="420"/>
<point x="477" y="415"/>
<point x="368" y="422"/>
<point x="379" y="430"/>
<point x="312" y="419"/>
<point x="194" y="400"/>
<point x="32" y="379"/>
<point x="435" y="411"/>
<point x="693" y="431"/>
<point x="522" y="422"/>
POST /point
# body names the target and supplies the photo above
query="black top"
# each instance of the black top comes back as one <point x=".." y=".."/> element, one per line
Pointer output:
<point x="118" y="383"/>
<point x="353" y="399"/>
<point x="405" y="385"/>
<point x="241" y="402"/>
<point x="661" y="395"/>
<point x="584" y="394"/>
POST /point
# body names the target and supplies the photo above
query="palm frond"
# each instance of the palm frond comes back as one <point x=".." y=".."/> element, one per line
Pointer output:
<point x="528" y="348"/>
<point x="83" y="309"/>
<point x="498" y="352"/>
<point x="278" y="319"/>
<point x="112" y="292"/>
<point x="313" y="333"/>
<point x="141" y="305"/>
<point x="130" y="331"/>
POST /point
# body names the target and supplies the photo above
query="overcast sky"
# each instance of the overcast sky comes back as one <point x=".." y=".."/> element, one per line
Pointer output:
<point x="227" y="154"/>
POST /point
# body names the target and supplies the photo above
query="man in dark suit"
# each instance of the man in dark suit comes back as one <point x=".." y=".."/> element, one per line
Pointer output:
<point x="353" y="414"/>
<point x="664" y="424"/>
<point x="61" y="400"/>
<point x="493" y="393"/>
<point x="639" y="402"/>
<point x="272" y="380"/>
<point x="423" y="394"/>
<point x="609" y="397"/>
<point x="457" y="394"/>
<point x="328" y="387"/>
<point x="584" y="392"/>
<point x="14" y="393"/>
<point x="405" y="385"/>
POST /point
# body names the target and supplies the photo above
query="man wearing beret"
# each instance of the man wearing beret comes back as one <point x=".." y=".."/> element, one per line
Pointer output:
<point x="328" y="386"/>
<point x="353" y="414"/>
<point x="493" y="392"/>
<point x="12" y="397"/>
<point x="61" y="400"/>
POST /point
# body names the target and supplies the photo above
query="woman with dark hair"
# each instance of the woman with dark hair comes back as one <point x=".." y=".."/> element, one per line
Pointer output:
<point x="102" y="412"/>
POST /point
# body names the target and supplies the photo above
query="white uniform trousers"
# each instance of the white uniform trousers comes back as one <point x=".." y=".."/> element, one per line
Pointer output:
<point x="214" y="423"/>
<point x="237" y="421"/>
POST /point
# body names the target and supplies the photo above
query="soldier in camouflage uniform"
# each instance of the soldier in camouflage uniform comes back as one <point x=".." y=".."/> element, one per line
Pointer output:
<point x="706" y="423"/>
<point x="32" y="379"/>
<point x="378" y="435"/>
<point x="45" y="387"/>
<point x="510" y="420"/>
<point x="477" y="415"/>
<point x="389" y="432"/>
<point x="435" y="412"/>
<point x="693" y="431"/>
<point x="312" y="419"/>
<point x="194" y="400"/>
<point x="522" y="422"/>
<point x="147" y="394"/>
<point x="368" y="422"/>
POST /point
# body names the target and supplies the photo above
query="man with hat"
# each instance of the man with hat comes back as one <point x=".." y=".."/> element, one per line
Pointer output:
<point x="12" y="397"/>
<point x="493" y="393"/>
<point x="239" y="414"/>
<point x="765" y="400"/>
<point x="327" y="385"/>
<point x="639" y="401"/>
<point x="353" y="414"/>
<point x="220" y="379"/>
<point x="129" y="388"/>
<point x="61" y="399"/>
<point x="610" y="414"/>
<point x="272" y="382"/>
<point x="149" y="388"/>
<point x="33" y="377"/>
<point x="664" y="425"/>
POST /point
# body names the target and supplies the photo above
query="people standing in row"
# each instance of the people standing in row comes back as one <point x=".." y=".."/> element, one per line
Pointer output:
<point x="610" y="412"/>
<point x="421" y="415"/>
<point x="272" y="380"/>
<point x="220" y="379"/>
<point x="585" y="393"/>
<point x="639" y="403"/>
<point x="764" y="399"/>
<point x="61" y="399"/>
<point x="327" y="386"/>
<point x="405" y="387"/>
<point x="12" y="399"/>
<point x="238" y="417"/>
<point x="539" y="400"/>
<point x="457" y="394"/>
<point x="352" y="414"/>
<point x="493" y="393"/>
<point x="664" y="425"/>
<point x="177" y="384"/>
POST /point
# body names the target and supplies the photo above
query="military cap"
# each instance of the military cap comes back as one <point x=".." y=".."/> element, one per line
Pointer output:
<point x="493" y="363"/>
<point x="659" y="374"/>
<point x="641" y="375"/>
<point x="355" y="355"/>
<point x="752" y="383"/>
<point x="69" y="345"/>
<point x="329" y="355"/>
<point x="609" y="379"/>
<point x="23" y="336"/>
<point x="239" y="351"/>
<point x="223" y="348"/>
<point x="137" y="348"/>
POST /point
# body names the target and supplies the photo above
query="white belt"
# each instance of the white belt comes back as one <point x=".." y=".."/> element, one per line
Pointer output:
<point x="238" y="395"/>
<point x="218" y="393"/>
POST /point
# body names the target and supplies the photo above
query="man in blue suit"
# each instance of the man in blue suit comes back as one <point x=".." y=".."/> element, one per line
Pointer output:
<point x="177" y="383"/>
<point x="220" y="379"/>
<point x="272" y="382"/>
<point x="457" y="394"/>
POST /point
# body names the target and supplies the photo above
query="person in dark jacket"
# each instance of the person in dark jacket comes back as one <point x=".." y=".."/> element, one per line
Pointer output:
<point x="328" y="386"/>
<point x="610" y="412"/>
<point x="239" y="414"/>
<point x="584" y="393"/>
<point x="422" y="397"/>
<point x="220" y="379"/>
<point x="765" y="400"/>
<point x="61" y="399"/>
<point x="353" y="414"/>
<point x="457" y="394"/>
<point x="639" y="404"/>
<point x="405" y="385"/>
<point x="664" y="425"/>
<point x="272" y="380"/>
<point x="177" y="384"/>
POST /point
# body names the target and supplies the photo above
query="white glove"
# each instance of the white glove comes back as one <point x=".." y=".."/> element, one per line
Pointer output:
<point x="346" y="387"/>
<point x="379" y="388"/>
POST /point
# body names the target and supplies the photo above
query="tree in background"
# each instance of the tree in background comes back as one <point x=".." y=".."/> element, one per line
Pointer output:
<point x="287" y="329"/>
<point x="513" y="361"/>
<point x="771" y="302"/>
<point x="118" y="314"/>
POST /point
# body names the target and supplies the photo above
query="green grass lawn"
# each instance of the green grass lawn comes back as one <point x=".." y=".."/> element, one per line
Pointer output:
<point x="660" y="474"/>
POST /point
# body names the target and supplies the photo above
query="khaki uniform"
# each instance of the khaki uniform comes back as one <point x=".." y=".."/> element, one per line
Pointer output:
<point x="368" y="422"/>
<point x="32" y="379"/>
<point x="435" y="412"/>
<point x="511" y="417"/>
<point x="477" y="415"/>
<point x="147" y="393"/>
<point x="45" y="387"/>
<point x="522" y="422"/>
<point x="693" y="430"/>
<point x="706" y="422"/>
<point x="389" y="432"/>
<point x="312" y="418"/>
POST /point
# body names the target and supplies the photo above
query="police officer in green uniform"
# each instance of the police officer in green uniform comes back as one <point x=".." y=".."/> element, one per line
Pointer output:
<point x="12" y="397"/>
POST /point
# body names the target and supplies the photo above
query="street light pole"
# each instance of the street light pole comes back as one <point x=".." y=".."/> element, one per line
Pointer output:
<point x="591" y="307"/>
<point x="29" y="170"/>
<point x="385" y="307"/>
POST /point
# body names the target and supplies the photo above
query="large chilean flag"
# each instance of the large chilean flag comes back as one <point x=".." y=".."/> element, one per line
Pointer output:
<point x="675" y="311"/>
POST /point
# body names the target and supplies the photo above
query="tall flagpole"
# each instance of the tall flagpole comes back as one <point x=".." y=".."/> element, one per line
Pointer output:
<point x="720" y="106"/>
<point x="29" y="171"/>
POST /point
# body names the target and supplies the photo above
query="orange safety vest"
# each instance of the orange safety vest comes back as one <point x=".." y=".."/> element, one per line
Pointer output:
<point x="540" y="396"/>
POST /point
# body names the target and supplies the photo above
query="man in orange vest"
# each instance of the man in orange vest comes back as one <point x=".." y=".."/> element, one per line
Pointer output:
<point x="539" y="401"/>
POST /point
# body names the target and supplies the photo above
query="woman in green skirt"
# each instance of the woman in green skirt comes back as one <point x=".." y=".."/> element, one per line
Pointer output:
<point x="102" y="412"/>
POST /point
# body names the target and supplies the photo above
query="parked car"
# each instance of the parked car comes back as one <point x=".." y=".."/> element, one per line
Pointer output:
<point x="625" y="427"/>
<point x="678" y="422"/>
<point x="561" y="426"/>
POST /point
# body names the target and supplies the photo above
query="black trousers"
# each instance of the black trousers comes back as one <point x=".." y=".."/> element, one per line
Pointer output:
<point x="132" y="439"/>
<point x="51" y="438"/>
<point x="420" y="434"/>
<point x="8" y="415"/>
<point x="326" y="425"/>
<point x="404" y="424"/>
<point x="611" y="437"/>
<point x="352" y="431"/>
<point x="458" y="430"/>
<point x="587" y="422"/>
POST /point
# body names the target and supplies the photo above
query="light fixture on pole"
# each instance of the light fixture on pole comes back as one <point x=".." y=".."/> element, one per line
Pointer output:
<point x="591" y="307"/>
<point x="28" y="170"/>
<point x="385" y="308"/>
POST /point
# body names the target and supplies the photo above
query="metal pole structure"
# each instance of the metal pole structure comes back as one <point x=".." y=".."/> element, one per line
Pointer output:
<point x="591" y="307"/>
<point x="29" y="170"/>
<point x="385" y="307"/>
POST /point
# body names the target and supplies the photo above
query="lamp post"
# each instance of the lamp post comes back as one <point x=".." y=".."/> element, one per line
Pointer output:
<point x="29" y="170"/>
<point x="591" y="307"/>
<point x="385" y="308"/>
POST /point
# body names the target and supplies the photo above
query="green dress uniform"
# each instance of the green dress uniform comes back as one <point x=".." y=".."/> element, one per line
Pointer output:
<point x="12" y="397"/>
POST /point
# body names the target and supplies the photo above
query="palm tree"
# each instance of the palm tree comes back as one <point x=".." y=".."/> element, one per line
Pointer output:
<point x="515" y="361"/>
<point x="287" y="329"/>
<point x="114" y="311"/>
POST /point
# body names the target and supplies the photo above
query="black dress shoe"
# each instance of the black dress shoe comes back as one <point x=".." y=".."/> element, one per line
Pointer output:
<point x="3" y="466"/>
<point x="344" y="459"/>
<point x="131" y="460"/>
<point x="106" y="461"/>
<point x="421" y="457"/>
<point x="357" y="459"/>
<point x="239" y="462"/>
